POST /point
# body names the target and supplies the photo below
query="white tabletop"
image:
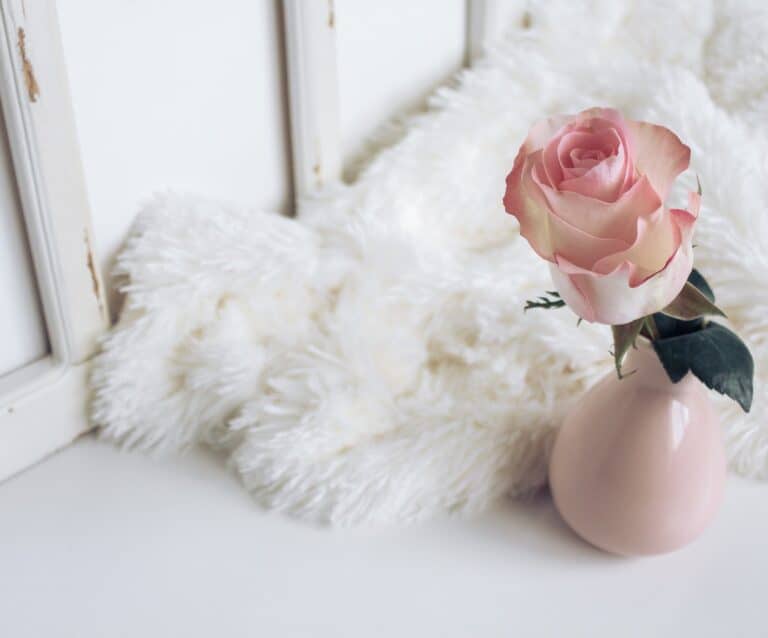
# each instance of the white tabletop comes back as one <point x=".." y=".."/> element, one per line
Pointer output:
<point x="100" y="543"/>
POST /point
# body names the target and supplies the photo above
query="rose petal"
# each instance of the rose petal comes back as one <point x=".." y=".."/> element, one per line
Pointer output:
<point x="694" y="205"/>
<point x="540" y="133"/>
<point x="582" y="160"/>
<point x="615" y="297"/>
<point x="616" y="220"/>
<point x="588" y="191"/>
<point x="551" y="166"/>
<point x="597" y="136"/>
<point x="543" y="131"/>
<point x="616" y="119"/>
<point x="659" y="237"/>
<point x="603" y="182"/>
<point x="547" y="232"/>
<point x="607" y="142"/>
<point x="659" y="154"/>
<point x="610" y="299"/>
<point x="580" y="156"/>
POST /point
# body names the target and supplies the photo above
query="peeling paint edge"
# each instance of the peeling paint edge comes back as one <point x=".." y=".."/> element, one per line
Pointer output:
<point x="91" y="264"/>
<point x="33" y="88"/>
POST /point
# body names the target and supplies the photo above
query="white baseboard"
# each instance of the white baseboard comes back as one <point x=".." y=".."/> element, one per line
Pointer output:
<point x="40" y="423"/>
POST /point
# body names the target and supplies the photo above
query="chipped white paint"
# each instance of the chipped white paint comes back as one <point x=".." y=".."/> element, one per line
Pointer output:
<point x="42" y="405"/>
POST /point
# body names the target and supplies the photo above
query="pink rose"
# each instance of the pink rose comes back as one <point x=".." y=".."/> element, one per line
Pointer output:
<point x="588" y="191"/>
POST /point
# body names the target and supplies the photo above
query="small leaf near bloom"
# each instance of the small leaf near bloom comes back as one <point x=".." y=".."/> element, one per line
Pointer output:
<point x="669" y="326"/>
<point x="544" y="301"/>
<point x="691" y="303"/>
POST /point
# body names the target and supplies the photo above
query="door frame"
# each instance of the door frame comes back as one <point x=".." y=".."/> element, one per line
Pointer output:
<point x="43" y="405"/>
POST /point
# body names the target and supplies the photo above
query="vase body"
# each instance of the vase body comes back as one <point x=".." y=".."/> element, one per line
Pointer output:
<point x="639" y="466"/>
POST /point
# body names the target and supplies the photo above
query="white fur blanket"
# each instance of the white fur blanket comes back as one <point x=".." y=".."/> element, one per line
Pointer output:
<point x="370" y="361"/>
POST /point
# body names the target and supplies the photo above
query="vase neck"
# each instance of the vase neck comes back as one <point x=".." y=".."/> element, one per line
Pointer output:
<point x="645" y="367"/>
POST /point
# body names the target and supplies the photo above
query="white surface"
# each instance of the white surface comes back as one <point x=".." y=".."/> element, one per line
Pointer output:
<point x="95" y="543"/>
<point x="44" y="410"/>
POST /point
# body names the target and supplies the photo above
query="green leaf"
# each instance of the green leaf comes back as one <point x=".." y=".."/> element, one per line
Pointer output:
<point x="624" y="338"/>
<point x="691" y="303"/>
<point x="716" y="356"/>
<point x="671" y="327"/>
<point x="545" y="302"/>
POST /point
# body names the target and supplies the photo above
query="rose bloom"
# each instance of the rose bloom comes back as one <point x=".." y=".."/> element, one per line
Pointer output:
<point x="588" y="191"/>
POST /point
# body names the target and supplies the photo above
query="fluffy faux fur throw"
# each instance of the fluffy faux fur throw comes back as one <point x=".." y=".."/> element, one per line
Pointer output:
<point x="370" y="361"/>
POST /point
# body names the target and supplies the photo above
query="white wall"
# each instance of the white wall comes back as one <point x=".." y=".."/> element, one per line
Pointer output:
<point x="190" y="94"/>
<point x="176" y="94"/>
<point x="391" y="55"/>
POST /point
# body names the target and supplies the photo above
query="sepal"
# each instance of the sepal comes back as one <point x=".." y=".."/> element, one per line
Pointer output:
<point x="691" y="303"/>
<point x="624" y="338"/>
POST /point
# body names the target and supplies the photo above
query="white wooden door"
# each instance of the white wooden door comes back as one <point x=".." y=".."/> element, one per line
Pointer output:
<point x="52" y="306"/>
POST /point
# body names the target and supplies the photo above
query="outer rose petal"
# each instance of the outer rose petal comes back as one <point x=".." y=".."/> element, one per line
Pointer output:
<point x="658" y="238"/>
<point x="611" y="298"/>
<point x="543" y="131"/>
<point x="659" y="154"/>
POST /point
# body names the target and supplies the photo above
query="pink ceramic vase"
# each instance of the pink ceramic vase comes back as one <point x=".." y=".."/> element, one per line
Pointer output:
<point x="638" y="466"/>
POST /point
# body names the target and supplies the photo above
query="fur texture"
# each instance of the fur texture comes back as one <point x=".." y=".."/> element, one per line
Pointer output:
<point x="370" y="360"/>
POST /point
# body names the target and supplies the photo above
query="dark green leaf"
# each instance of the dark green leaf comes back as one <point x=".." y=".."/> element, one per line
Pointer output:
<point x="671" y="327"/>
<point x="716" y="356"/>
<point x="624" y="337"/>
<point x="649" y="328"/>
<point x="690" y="304"/>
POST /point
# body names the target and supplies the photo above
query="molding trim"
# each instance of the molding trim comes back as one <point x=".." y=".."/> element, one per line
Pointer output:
<point x="485" y="20"/>
<point x="310" y="41"/>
